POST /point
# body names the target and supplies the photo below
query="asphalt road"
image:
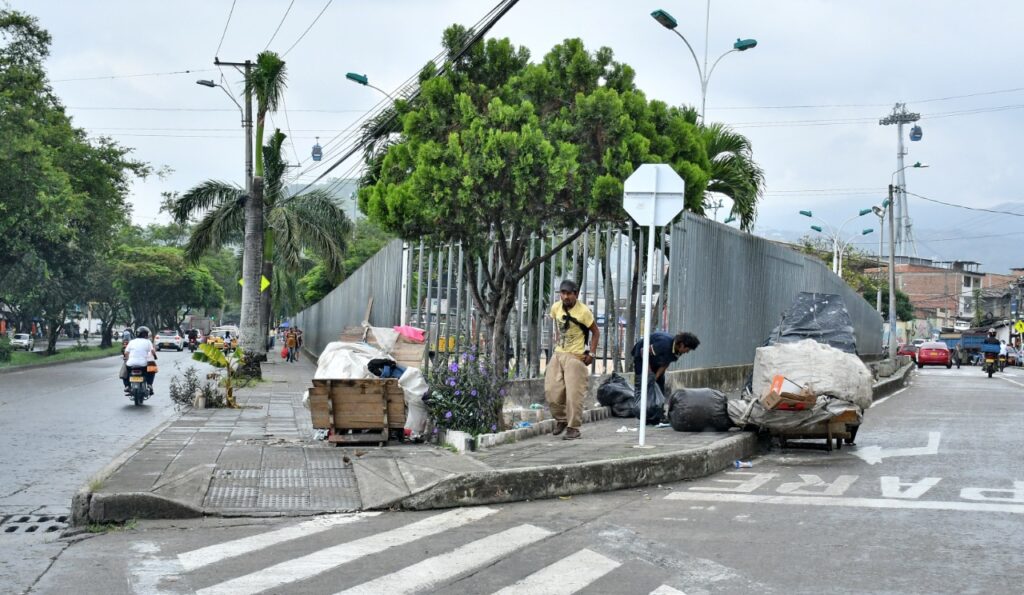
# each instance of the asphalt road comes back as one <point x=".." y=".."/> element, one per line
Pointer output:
<point x="931" y="500"/>
<point x="58" y="426"/>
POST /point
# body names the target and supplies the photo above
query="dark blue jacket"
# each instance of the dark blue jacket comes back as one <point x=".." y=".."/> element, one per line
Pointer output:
<point x="661" y="351"/>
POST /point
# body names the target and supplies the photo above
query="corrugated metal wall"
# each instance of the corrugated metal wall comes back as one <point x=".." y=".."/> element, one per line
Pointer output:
<point x="380" y="278"/>
<point x="731" y="288"/>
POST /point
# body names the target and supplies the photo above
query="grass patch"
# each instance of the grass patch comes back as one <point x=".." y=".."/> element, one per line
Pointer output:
<point x="69" y="354"/>
<point x="95" y="485"/>
<point x="112" y="527"/>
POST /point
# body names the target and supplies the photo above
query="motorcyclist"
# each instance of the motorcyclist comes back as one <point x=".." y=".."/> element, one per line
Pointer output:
<point x="139" y="354"/>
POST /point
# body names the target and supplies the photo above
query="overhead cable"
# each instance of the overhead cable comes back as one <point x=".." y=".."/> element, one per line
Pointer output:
<point x="286" y="11"/>
<point x="225" y="32"/>
<point x="324" y="9"/>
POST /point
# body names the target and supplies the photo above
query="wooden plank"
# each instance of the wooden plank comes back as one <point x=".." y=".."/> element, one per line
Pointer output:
<point x="359" y="438"/>
<point x="318" y="382"/>
<point x="320" y="407"/>
<point x="357" y="398"/>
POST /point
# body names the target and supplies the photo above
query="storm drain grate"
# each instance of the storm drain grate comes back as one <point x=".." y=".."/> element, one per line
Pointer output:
<point x="32" y="523"/>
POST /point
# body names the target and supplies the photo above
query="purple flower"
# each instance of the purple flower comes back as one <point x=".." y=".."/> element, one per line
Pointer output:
<point x="501" y="392"/>
<point x="472" y="392"/>
<point x="448" y="415"/>
<point x="451" y="382"/>
<point x="494" y="427"/>
<point x="471" y="358"/>
<point x="454" y="367"/>
<point x="435" y="429"/>
<point x="458" y="392"/>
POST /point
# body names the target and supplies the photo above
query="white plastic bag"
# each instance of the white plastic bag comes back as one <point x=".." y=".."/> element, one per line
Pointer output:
<point x="824" y="369"/>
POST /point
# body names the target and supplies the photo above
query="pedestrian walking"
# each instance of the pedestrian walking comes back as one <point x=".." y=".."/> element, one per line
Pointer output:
<point x="292" y="343"/>
<point x="565" y="379"/>
<point x="298" y="342"/>
<point x="665" y="350"/>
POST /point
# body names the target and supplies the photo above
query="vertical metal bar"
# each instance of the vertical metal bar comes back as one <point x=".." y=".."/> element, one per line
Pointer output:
<point x="483" y="292"/>
<point x="459" y="305"/>
<point x="662" y="286"/>
<point x="431" y="340"/>
<point x="542" y="305"/>
<point x="641" y="269"/>
<point x="583" y="269"/>
<point x="530" y="349"/>
<point x="618" y="290"/>
<point x="448" y="297"/>
<point x="419" y="287"/>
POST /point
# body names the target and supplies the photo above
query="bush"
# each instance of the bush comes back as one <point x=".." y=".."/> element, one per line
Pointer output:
<point x="183" y="390"/>
<point x="465" y="394"/>
<point x="5" y="348"/>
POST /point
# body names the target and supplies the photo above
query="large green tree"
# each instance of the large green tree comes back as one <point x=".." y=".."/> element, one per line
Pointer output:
<point x="496" y="148"/>
<point x="62" y="194"/>
<point x="161" y="288"/>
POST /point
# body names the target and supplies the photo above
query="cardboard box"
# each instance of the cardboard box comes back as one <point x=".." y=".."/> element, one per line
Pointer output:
<point x="786" y="395"/>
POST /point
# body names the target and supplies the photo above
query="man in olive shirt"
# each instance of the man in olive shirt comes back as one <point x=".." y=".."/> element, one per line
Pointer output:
<point x="565" y="380"/>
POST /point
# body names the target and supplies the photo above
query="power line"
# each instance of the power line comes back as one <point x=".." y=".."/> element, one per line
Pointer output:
<point x="949" y="204"/>
<point x="865" y="105"/>
<point x="225" y="32"/>
<point x="203" y="109"/>
<point x="128" y="76"/>
<point x="308" y="28"/>
<point x="287" y="10"/>
<point x="284" y="105"/>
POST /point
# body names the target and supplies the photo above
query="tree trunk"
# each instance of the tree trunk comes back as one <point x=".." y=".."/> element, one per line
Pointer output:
<point x="106" y="340"/>
<point x="51" y="338"/>
<point x="252" y="260"/>
<point x="611" y="320"/>
<point x="266" y="303"/>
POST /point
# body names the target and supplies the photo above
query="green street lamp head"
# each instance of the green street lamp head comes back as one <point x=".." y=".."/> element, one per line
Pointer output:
<point x="863" y="212"/>
<point x="807" y="213"/>
<point x="730" y="219"/>
<point x="816" y="228"/>
<point x="206" y="83"/>
<point x="743" y="45"/>
<point x="667" y="21"/>
<point x="357" y="78"/>
<point x="885" y="203"/>
<point x="919" y="164"/>
<point x="866" y="231"/>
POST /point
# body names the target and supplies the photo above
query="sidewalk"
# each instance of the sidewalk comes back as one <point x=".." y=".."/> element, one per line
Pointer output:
<point x="260" y="460"/>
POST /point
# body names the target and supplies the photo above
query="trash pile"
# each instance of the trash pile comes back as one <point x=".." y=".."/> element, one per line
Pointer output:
<point x="808" y="372"/>
<point x="616" y="393"/>
<point x="343" y="360"/>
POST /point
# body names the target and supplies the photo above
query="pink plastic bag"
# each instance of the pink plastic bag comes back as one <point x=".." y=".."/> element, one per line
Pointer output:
<point x="411" y="333"/>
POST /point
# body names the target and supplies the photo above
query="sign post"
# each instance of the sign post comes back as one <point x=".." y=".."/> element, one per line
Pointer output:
<point x="653" y="196"/>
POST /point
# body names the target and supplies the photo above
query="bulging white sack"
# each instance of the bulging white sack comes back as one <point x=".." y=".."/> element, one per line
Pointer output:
<point x="827" y="370"/>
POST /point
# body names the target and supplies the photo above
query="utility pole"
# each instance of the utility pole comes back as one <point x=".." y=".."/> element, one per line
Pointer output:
<point x="901" y="116"/>
<point x="251" y="340"/>
<point x="246" y="120"/>
<point x="892" y="280"/>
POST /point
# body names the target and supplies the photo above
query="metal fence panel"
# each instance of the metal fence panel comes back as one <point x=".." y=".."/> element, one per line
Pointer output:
<point x="731" y="288"/>
<point x="380" y="278"/>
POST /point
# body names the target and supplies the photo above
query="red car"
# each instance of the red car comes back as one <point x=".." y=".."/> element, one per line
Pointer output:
<point x="933" y="354"/>
<point x="907" y="349"/>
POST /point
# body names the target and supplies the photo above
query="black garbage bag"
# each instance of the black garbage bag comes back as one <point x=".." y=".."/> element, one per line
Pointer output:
<point x="699" y="410"/>
<point x="616" y="393"/>
<point x="655" y="404"/>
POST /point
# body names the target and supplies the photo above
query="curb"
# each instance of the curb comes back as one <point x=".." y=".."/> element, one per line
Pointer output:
<point x="532" y="483"/>
<point x="892" y="383"/>
<point x="10" y="370"/>
<point x="81" y="501"/>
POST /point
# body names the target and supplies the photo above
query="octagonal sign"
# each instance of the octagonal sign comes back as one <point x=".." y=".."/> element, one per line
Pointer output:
<point x="653" y="194"/>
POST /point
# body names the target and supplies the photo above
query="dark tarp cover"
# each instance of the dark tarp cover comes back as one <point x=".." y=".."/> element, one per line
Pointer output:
<point x="819" y="316"/>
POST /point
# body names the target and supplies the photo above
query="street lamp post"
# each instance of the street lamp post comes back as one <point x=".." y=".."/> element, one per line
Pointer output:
<point x="880" y="212"/>
<point x="833" y="234"/>
<point x="892" y="257"/>
<point x="669" y="22"/>
<point x="844" y="245"/>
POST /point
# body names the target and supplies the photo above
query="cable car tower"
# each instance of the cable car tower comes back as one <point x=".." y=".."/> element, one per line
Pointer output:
<point x="903" y="227"/>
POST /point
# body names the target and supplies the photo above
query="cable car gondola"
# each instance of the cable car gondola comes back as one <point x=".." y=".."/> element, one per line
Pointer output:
<point x="318" y="152"/>
<point x="916" y="133"/>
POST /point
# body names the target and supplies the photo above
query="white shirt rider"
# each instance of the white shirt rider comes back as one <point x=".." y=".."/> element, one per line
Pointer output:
<point x="140" y="352"/>
<point x="1002" y="348"/>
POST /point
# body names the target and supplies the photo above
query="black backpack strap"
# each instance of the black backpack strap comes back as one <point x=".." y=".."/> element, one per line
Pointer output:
<point x="583" y="327"/>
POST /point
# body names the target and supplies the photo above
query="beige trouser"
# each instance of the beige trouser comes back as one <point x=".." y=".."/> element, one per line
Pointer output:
<point x="565" y="386"/>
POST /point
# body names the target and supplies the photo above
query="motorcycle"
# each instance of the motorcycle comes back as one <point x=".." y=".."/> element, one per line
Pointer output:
<point x="1002" y="362"/>
<point x="192" y="344"/>
<point x="138" y="389"/>
<point x="990" y="364"/>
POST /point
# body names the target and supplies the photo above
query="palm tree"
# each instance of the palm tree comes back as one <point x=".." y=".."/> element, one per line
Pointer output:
<point x="265" y="81"/>
<point x="733" y="171"/>
<point x="292" y="225"/>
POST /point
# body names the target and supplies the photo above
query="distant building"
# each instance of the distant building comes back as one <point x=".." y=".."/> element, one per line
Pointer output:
<point x="944" y="292"/>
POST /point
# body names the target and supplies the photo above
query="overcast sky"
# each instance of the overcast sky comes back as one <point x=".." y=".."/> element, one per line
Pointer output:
<point x="809" y="96"/>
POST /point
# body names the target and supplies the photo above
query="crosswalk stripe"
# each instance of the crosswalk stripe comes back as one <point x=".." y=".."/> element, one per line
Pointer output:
<point x="666" y="590"/>
<point x="321" y="561"/>
<point x="427" y="573"/>
<point x="568" y="575"/>
<point x="230" y="549"/>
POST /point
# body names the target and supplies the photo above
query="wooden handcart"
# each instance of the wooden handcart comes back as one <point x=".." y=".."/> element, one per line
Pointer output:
<point x="364" y="411"/>
<point x="840" y="428"/>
